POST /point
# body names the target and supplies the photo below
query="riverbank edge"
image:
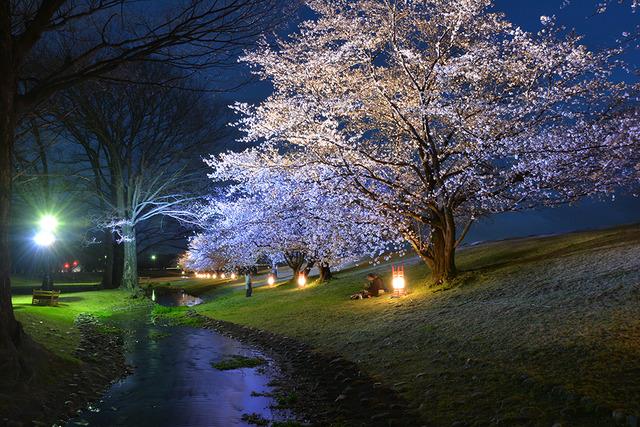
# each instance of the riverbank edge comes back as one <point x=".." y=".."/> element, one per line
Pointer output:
<point x="329" y="390"/>
<point x="63" y="388"/>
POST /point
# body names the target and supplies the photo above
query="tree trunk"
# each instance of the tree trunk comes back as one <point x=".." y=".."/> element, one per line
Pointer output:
<point x="130" y="271"/>
<point x="443" y="267"/>
<point x="440" y="254"/>
<point x="325" y="273"/>
<point x="295" y="260"/>
<point x="11" y="335"/>
<point x="118" y="264"/>
<point x="107" y="273"/>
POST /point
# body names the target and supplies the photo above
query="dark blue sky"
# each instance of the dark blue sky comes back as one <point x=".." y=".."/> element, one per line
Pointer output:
<point x="600" y="31"/>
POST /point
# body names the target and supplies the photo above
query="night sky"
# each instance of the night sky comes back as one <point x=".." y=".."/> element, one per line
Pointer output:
<point x="600" y="31"/>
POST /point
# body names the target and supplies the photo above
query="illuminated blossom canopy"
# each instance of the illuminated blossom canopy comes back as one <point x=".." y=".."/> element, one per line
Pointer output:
<point x="434" y="113"/>
<point x="276" y="209"/>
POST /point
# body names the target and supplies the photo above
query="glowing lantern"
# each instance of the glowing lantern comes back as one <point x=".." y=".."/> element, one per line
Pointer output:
<point x="153" y="295"/>
<point x="271" y="280"/>
<point x="302" y="280"/>
<point x="75" y="263"/>
<point x="66" y="265"/>
<point x="398" y="283"/>
<point x="223" y="276"/>
<point x="233" y="276"/>
<point x="215" y="275"/>
<point x="208" y="276"/>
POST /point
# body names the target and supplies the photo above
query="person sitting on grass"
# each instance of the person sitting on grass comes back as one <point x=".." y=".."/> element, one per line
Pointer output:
<point x="373" y="288"/>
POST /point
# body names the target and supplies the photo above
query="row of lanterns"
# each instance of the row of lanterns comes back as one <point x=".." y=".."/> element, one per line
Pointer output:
<point x="397" y="279"/>
<point x="232" y="276"/>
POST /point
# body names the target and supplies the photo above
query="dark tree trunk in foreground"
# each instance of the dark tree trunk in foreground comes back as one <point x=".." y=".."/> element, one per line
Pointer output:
<point x="325" y="272"/>
<point x="10" y="329"/>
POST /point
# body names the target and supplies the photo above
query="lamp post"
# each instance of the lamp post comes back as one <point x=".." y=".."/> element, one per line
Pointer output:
<point x="45" y="238"/>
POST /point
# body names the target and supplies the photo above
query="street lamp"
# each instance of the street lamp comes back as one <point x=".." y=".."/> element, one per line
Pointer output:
<point x="45" y="238"/>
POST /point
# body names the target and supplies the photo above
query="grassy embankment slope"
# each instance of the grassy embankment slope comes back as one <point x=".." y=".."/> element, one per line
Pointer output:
<point x="54" y="327"/>
<point x="539" y="330"/>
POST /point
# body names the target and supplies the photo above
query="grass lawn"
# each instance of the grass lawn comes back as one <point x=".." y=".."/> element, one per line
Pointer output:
<point x="54" y="326"/>
<point x="190" y="285"/>
<point x="537" y="330"/>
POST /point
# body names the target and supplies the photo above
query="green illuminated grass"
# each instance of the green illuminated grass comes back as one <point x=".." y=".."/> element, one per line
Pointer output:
<point x="526" y="317"/>
<point x="53" y="326"/>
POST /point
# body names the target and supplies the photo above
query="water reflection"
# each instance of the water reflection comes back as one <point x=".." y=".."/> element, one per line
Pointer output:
<point x="178" y="298"/>
<point x="174" y="384"/>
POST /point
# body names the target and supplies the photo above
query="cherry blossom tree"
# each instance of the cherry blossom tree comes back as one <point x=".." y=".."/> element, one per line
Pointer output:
<point x="274" y="207"/>
<point x="437" y="112"/>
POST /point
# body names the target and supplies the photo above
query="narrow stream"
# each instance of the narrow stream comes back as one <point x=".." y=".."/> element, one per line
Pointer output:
<point x="174" y="384"/>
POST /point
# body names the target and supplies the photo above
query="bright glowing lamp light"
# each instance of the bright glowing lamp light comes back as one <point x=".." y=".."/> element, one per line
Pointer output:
<point x="44" y="238"/>
<point x="302" y="280"/>
<point x="271" y="280"/>
<point x="48" y="223"/>
<point x="397" y="281"/>
<point x="222" y="275"/>
<point x="233" y="276"/>
<point x="215" y="275"/>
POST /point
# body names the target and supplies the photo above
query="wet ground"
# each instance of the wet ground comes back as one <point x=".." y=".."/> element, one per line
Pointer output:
<point x="174" y="384"/>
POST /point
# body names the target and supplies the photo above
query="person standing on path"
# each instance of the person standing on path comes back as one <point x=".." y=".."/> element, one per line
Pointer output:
<point x="247" y="282"/>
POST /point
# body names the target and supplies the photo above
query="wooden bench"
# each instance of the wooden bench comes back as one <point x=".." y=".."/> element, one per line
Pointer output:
<point x="41" y="297"/>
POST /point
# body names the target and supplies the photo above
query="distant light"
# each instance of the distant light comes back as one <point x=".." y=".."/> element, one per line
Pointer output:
<point x="153" y="257"/>
<point x="66" y="265"/>
<point x="215" y="275"/>
<point x="233" y="276"/>
<point x="44" y="238"/>
<point x="75" y="263"/>
<point x="302" y="280"/>
<point x="271" y="280"/>
<point x="223" y="276"/>
<point x="48" y="223"/>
